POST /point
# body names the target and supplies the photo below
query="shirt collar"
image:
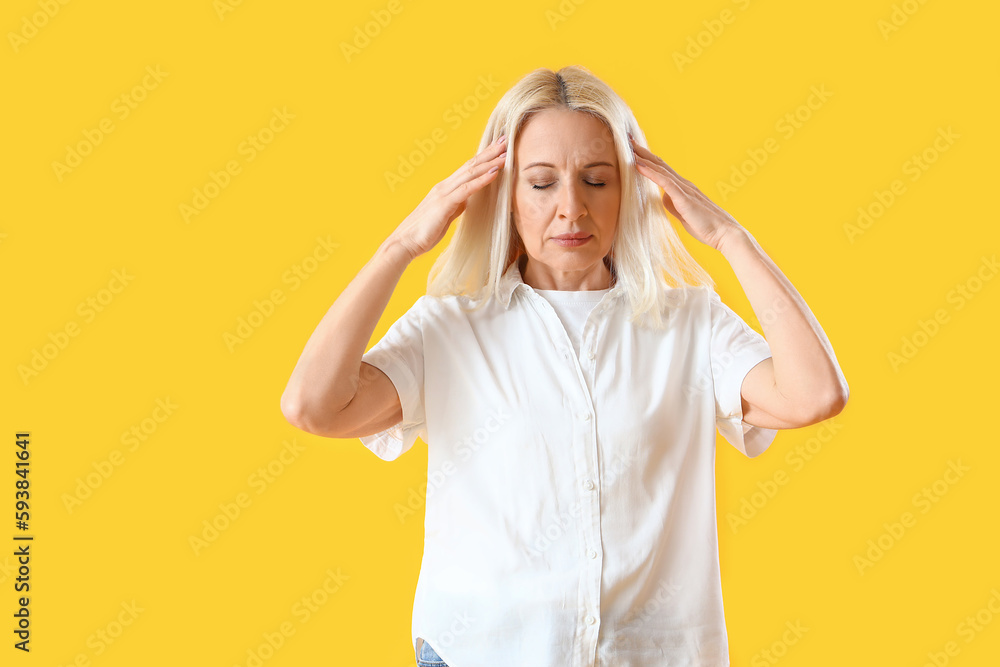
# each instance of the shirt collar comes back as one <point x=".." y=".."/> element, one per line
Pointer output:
<point x="511" y="280"/>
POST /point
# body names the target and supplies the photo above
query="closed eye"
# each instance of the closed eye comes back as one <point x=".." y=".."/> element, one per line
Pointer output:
<point x="542" y="187"/>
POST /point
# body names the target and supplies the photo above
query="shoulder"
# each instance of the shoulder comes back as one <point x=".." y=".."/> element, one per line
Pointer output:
<point x="686" y="300"/>
<point x="698" y="298"/>
<point x="448" y="308"/>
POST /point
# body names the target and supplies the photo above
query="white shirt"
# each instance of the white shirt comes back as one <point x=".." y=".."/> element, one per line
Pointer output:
<point x="573" y="307"/>
<point x="570" y="511"/>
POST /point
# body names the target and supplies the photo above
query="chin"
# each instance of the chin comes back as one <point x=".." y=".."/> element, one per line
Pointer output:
<point x="570" y="259"/>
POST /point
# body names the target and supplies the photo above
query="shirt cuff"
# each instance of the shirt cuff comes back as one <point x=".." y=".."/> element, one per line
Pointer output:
<point x="748" y="439"/>
<point x="390" y="443"/>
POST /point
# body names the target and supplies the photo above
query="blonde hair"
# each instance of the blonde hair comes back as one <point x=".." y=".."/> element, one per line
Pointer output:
<point x="646" y="257"/>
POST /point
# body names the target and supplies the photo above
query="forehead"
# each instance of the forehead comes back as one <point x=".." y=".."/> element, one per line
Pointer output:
<point x="563" y="136"/>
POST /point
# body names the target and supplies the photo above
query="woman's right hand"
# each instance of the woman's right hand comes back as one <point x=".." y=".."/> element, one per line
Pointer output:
<point x="427" y="224"/>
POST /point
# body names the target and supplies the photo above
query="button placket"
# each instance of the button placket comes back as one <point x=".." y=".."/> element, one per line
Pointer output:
<point x="585" y="459"/>
<point x="591" y="330"/>
<point x="592" y="551"/>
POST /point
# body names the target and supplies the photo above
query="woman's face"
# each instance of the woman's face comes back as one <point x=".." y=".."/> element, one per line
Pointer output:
<point x="566" y="181"/>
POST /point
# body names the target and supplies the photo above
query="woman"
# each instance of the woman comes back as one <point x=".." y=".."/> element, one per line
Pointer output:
<point x="567" y="369"/>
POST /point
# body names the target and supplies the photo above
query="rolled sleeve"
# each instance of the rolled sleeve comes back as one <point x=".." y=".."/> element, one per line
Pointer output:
<point x="399" y="354"/>
<point x="736" y="348"/>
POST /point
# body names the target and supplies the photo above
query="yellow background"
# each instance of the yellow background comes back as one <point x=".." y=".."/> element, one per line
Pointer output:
<point x="331" y="508"/>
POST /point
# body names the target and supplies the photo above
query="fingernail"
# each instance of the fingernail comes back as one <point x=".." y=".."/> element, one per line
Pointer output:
<point x="503" y="138"/>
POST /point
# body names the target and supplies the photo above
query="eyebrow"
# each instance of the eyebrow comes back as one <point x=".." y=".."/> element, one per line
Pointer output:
<point x="547" y="164"/>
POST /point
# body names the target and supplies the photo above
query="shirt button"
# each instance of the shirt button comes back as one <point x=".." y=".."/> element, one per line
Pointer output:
<point x="587" y="484"/>
<point x="591" y="620"/>
<point x="591" y="355"/>
<point x="585" y="416"/>
<point x="591" y="553"/>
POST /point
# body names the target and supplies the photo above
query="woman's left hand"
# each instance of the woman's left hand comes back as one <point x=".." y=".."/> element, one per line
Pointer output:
<point x="698" y="214"/>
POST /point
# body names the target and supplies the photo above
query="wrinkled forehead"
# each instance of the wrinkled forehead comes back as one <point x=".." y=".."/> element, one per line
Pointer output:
<point x="579" y="140"/>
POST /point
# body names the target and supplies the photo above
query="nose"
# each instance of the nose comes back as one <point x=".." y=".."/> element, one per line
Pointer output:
<point x="571" y="204"/>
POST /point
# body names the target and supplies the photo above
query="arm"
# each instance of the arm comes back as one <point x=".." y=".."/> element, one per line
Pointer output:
<point x="802" y="383"/>
<point x="331" y="391"/>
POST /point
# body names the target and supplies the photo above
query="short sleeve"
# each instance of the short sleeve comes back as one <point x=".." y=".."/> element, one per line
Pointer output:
<point x="400" y="355"/>
<point x="735" y="349"/>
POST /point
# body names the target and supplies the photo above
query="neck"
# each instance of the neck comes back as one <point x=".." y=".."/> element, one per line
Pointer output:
<point x="596" y="277"/>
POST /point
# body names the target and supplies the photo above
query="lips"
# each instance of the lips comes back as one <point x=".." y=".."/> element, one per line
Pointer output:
<point x="572" y="240"/>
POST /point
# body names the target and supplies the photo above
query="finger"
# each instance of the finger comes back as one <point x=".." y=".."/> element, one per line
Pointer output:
<point x="497" y="149"/>
<point x="657" y="172"/>
<point x="668" y="179"/>
<point x="669" y="205"/>
<point x="493" y="155"/>
<point x="642" y="151"/>
<point x="477" y="172"/>
<point x="670" y="190"/>
<point x="656" y="159"/>
<point x="499" y="145"/>
<point x="466" y="188"/>
<point x="671" y="187"/>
